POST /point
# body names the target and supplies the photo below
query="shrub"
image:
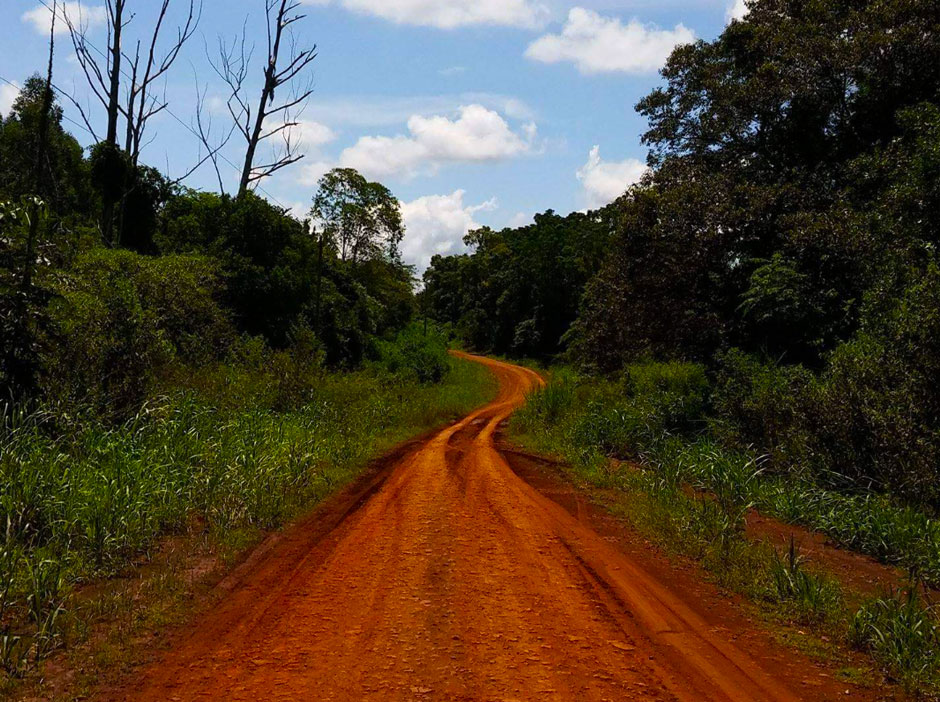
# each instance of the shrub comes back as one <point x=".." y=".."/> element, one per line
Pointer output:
<point x="902" y="633"/>
<point x="120" y="319"/>
<point x="415" y="355"/>
<point x="761" y="403"/>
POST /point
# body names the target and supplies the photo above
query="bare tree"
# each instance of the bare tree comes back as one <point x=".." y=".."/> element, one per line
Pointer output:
<point x="285" y="64"/>
<point x="105" y="74"/>
<point x="142" y="104"/>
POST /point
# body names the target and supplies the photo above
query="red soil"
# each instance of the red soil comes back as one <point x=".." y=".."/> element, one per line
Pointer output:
<point x="446" y="576"/>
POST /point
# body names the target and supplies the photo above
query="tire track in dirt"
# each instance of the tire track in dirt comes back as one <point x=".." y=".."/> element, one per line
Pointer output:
<point x="454" y="579"/>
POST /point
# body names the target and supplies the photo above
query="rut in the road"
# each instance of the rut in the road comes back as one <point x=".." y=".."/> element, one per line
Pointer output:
<point x="456" y="580"/>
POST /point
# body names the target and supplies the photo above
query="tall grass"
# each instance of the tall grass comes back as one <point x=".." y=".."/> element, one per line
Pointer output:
<point x="81" y="499"/>
<point x="901" y="631"/>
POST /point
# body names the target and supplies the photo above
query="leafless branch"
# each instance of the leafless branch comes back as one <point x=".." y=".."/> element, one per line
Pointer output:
<point x="285" y="62"/>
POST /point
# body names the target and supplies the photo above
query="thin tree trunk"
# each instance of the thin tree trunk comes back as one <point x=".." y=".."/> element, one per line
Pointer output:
<point x="107" y="213"/>
<point x="41" y="148"/>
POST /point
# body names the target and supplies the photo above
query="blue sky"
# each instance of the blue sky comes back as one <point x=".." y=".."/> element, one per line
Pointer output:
<point x="472" y="111"/>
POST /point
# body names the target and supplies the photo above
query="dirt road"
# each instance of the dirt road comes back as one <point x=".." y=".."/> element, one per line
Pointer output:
<point x="453" y="579"/>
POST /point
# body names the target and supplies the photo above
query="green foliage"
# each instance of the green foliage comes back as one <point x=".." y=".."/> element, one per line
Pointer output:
<point x="870" y="420"/>
<point x="119" y="320"/>
<point x="813" y="598"/>
<point x="23" y="315"/>
<point x="519" y="290"/>
<point x="361" y="219"/>
<point x="416" y="355"/>
<point x="903" y="633"/>
<point x="64" y="178"/>
<point x="280" y="276"/>
<point x="588" y="421"/>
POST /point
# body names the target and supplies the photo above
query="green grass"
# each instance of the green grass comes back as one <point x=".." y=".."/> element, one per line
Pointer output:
<point x="80" y="499"/>
<point x="691" y="494"/>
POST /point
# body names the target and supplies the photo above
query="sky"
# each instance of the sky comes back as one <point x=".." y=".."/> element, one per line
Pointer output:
<point x="472" y="112"/>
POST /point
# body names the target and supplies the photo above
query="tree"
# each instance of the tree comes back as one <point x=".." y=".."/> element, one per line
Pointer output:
<point x="759" y="196"/>
<point x="362" y="219"/>
<point x="280" y="71"/>
<point x="361" y="222"/>
<point x="106" y="77"/>
<point x="519" y="290"/>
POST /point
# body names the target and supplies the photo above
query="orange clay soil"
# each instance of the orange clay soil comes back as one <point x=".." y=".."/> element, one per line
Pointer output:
<point x="449" y="577"/>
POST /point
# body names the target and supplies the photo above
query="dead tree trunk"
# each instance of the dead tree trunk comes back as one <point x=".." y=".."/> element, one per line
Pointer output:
<point x="38" y="161"/>
<point x="279" y="71"/>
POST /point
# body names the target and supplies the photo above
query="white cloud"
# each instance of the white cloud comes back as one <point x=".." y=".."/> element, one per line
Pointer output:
<point x="8" y="94"/>
<point x="605" y="181"/>
<point x="737" y="11"/>
<point x="597" y="44"/>
<point x="79" y="14"/>
<point x="449" y="14"/>
<point x="312" y="171"/>
<point x="308" y="134"/>
<point x="436" y="224"/>
<point x="387" y="110"/>
<point x="520" y="219"/>
<point x="478" y="134"/>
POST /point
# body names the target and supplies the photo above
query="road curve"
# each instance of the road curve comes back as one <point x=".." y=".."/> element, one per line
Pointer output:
<point x="453" y="579"/>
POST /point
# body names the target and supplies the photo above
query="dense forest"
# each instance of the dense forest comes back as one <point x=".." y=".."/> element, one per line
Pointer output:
<point x="785" y="238"/>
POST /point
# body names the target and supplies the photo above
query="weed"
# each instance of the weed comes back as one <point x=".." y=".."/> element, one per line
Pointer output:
<point x="813" y="598"/>
<point x="903" y="633"/>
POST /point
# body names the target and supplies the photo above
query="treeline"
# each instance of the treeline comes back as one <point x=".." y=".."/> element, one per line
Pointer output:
<point x="785" y="239"/>
<point x="195" y="277"/>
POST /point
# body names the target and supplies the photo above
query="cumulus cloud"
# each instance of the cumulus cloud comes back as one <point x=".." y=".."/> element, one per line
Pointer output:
<point x="436" y="224"/>
<point x="737" y="11"/>
<point x="79" y="14"/>
<point x="597" y="44"/>
<point x="449" y="14"/>
<point x="8" y="94"/>
<point x="605" y="181"/>
<point x="478" y="134"/>
<point x="520" y="219"/>
<point x="312" y="171"/>
<point x="308" y="134"/>
<point x="386" y="110"/>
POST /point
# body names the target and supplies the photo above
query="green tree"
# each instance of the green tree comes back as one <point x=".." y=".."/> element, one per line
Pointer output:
<point x="63" y="176"/>
<point x="361" y="219"/>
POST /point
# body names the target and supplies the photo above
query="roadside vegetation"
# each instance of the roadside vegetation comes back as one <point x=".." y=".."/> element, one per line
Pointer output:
<point x="235" y="448"/>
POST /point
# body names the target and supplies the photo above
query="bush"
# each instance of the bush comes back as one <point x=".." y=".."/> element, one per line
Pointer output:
<point x="878" y="409"/>
<point x="119" y="320"/>
<point x="415" y="355"/>
<point x="760" y="403"/>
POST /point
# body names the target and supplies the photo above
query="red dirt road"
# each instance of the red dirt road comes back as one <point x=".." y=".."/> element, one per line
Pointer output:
<point x="453" y="579"/>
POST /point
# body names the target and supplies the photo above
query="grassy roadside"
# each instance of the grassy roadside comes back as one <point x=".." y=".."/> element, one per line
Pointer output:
<point x="111" y="529"/>
<point x="686" y="492"/>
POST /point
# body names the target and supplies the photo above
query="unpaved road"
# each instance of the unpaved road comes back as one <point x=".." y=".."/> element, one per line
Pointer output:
<point x="451" y="578"/>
